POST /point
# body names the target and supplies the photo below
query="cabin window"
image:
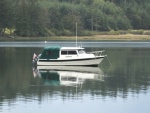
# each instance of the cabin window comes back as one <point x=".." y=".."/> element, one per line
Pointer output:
<point x="72" y="53"/>
<point x="81" y="52"/>
<point x="64" y="52"/>
<point x="68" y="53"/>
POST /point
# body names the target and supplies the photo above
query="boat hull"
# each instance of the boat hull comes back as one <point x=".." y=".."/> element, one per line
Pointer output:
<point x="71" y="62"/>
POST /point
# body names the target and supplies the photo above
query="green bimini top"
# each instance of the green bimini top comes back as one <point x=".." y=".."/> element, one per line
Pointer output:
<point x="50" y="52"/>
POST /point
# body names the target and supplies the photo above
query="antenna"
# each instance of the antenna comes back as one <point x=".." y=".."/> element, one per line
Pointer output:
<point x="76" y="34"/>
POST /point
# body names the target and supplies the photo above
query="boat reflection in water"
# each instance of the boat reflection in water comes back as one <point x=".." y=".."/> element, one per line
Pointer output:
<point x="67" y="75"/>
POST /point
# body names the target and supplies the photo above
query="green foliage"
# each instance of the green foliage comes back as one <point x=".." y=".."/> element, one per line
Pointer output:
<point x="59" y="17"/>
<point x="31" y="19"/>
<point x="6" y="15"/>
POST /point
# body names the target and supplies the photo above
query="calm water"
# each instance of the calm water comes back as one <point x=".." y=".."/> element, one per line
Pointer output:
<point x="121" y="84"/>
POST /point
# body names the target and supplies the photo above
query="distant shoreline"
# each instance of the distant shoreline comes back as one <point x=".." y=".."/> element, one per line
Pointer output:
<point x="125" y="37"/>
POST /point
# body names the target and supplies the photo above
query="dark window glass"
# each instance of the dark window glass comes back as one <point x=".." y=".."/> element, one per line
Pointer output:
<point x="64" y="52"/>
<point x="72" y="52"/>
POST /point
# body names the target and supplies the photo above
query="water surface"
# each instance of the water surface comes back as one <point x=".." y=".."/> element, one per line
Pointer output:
<point x="80" y="43"/>
<point x="121" y="84"/>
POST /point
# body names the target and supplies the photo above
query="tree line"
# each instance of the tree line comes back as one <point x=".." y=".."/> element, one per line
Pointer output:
<point x="59" y="17"/>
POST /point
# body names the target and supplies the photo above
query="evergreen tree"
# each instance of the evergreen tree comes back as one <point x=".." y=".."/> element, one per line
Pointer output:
<point x="2" y="15"/>
<point x="32" y="19"/>
<point x="6" y="15"/>
<point x="58" y="17"/>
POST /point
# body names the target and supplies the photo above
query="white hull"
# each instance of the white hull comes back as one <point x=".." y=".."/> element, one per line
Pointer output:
<point x="73" y="62"/>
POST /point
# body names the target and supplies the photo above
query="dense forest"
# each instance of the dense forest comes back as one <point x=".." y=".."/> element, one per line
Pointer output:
<point x="59" y="17"/>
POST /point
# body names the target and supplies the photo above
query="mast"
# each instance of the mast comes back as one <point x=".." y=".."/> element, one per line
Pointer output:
<point x="76" y="33"/>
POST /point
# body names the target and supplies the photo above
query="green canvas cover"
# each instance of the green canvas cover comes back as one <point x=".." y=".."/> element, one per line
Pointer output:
<point x="50" y="52"/>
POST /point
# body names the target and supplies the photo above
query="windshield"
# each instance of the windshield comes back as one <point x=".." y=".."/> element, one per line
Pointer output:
<point x="81" y="52"/>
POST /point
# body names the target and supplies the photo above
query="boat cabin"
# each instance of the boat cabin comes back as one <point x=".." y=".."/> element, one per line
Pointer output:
<point x="51" y="52"/>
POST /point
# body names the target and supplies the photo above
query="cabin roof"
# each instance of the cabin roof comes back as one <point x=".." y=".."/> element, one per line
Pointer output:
<point x="52" y="48"/>
<point x="71" y="48"/>
<point x="61" y="48"/>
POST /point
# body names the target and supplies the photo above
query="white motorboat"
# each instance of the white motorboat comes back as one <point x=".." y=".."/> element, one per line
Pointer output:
<point x="67" y="56"/>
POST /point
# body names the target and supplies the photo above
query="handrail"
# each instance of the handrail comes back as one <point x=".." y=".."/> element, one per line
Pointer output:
<point x="97" y="53"/>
